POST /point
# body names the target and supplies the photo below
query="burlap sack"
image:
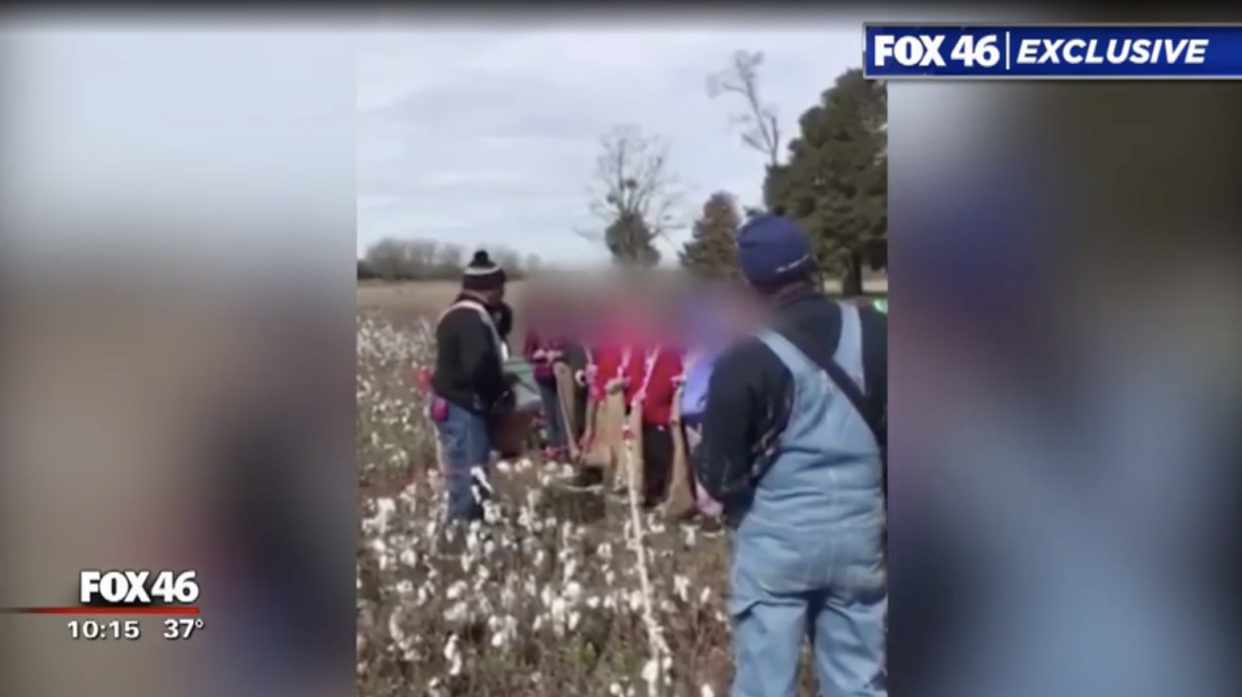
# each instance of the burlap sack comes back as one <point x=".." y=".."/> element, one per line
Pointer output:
<point x="680" y="504"/>
<point x="606" y="449"/>
<point x="632" y="475"/>
<point x="565" y="389"/>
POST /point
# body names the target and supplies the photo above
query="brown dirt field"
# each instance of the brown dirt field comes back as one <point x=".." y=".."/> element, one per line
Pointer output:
<point x="417" y="294"/>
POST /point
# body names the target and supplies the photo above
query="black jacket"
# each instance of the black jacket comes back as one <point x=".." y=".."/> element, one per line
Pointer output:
<point x="751" y="390"/>
<point x="469" y="370"/>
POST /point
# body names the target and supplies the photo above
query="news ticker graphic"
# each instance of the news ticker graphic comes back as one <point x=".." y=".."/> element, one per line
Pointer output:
<point x="1060" y="52"/>
<point x="128" y="593"/>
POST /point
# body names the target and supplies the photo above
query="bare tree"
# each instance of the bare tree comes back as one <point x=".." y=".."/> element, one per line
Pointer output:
<point x="634" y="192"/>
<point x="760" y="127"/>
<point x="386" y="259"/>
<point x="403" y="260"/>
<point x="450" y="258"/>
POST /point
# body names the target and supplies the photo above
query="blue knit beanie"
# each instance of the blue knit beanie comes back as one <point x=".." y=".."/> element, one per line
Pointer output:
<point x="772" y="250"/>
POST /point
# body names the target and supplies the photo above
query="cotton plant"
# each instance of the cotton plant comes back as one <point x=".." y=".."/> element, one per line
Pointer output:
<point x="533" y="601"/>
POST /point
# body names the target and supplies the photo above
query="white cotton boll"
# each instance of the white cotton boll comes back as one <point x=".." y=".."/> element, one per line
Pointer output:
<point x="409" y="557"/>
<point x="651" y="674"/>
<point x="456" y="590"/>
<point x="405" y="587"/>
<point x="491" y="512"/>
<point x="615" y="689"/>
<point x="394" y="625"/>
<point x="705" y="596"/>
<point x="707" y="691"/>
<point x="681" y="587"/>
<point x="457" y="612"/>
<point x="504" y="467"/>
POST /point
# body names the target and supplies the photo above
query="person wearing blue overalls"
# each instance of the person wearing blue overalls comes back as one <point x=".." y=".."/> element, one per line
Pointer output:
<point x="798" y="468"/>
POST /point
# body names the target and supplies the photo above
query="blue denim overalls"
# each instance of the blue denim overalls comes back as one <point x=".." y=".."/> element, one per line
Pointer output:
<point x="807" y="552"/>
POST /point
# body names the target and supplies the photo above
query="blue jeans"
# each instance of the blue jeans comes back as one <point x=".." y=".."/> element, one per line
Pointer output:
<point x="465" y="445"/>
<point x="834" y="596"/>
<point x="552" y="412"/>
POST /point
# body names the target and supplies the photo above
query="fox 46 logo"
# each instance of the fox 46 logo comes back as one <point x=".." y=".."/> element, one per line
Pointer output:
<point x="926" y="50"/>
<point x="137" y="588"/>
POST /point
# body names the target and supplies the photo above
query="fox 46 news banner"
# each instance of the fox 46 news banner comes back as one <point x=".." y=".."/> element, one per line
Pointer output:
<point x="1053" y="52"/>
<point x="138" y="589"/>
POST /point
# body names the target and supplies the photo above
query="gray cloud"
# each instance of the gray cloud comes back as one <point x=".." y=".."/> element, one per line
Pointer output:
<point x="481" y="136"/>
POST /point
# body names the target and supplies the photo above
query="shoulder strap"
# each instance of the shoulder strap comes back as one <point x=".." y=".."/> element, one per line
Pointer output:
<point x="867" y="408"/>
<point x="649" y="367"/>
<point x="483" y="313"/>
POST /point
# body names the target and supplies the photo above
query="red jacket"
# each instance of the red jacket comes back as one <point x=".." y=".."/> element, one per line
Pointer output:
<point x="608" y="349"/>
<point x="661" y="386"/>
<point x="607" y="359"/>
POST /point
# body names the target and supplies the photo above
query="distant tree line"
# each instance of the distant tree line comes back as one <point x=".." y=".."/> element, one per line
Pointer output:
<point x="394" y="259"/>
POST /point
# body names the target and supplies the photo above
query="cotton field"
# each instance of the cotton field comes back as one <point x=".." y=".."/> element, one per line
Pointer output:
<point x="559" y="593"/>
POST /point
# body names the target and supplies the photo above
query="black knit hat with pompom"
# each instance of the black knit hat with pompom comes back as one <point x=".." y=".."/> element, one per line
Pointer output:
<point x="482" y="274"/>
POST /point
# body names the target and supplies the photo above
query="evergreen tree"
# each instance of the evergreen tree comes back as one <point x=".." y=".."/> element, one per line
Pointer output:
<point x="836" y="180"/>
<point x="711" y="251"/>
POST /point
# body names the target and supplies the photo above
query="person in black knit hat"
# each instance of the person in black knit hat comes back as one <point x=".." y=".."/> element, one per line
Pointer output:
<point x="471" y="391"/>
<point x="484" y="275"/>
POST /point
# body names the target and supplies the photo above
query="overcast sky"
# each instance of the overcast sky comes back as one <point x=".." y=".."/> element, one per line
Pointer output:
<point x="460" y="132"/>
<point x="489" y="136"/>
